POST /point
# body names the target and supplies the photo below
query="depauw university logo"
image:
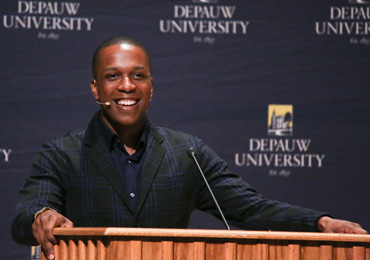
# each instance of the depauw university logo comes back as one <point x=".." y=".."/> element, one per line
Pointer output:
<point x="280" y="120"/>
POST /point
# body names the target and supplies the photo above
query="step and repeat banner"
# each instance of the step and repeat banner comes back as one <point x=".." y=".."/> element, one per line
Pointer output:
<point x="279" y="89"/>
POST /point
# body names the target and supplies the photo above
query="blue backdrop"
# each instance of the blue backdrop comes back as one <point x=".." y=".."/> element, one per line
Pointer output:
<point x="279" y="89"/>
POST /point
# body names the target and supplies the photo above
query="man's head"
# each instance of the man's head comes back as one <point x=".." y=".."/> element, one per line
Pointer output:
<point x="122" y="77"/>
<point x="115" y="41"/>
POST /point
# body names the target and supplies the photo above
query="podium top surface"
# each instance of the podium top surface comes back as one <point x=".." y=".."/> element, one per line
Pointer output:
<point x="207" y="233"/>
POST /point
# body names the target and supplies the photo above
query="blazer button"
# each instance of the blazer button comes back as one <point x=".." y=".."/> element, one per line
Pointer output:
<point x="137" y="225"/>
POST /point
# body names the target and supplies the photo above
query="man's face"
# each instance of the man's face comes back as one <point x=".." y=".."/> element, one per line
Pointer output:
<point x="123" y="78"/>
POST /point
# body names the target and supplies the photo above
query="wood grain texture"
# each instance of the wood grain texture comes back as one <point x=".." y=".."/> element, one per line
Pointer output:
<point x="169" y="244"/>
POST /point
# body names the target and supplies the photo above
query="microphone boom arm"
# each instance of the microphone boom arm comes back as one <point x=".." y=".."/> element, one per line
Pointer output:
<point x="191" y="153"/>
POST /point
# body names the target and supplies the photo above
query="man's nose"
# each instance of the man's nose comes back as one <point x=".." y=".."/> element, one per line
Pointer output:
<point x="126" y="85"/>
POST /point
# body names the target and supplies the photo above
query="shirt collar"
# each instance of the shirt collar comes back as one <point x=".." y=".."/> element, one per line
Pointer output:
<point x="111" y="138"/>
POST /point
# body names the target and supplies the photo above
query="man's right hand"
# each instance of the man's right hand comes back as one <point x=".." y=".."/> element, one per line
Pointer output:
<point x="42" y="229"/>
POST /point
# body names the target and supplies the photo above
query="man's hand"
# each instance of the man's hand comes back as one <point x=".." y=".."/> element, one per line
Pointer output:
<point x="42" y="229"/>
<point x="330" y="225"/>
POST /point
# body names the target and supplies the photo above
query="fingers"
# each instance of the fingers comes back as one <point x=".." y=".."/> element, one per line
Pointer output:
<point x="342" y="226"/>
<point x="43" y="227"/>
<point x="354" y="228"/>
<point x="67" y="223"/>
<point x="330" y="225"/>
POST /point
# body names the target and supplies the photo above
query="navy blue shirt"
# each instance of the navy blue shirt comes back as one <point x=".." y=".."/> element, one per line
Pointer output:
<point x="128" y="166"/>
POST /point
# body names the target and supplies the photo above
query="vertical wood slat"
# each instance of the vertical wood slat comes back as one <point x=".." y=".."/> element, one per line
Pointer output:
<point x="274" y="251"/>
<point x="135" y="250"/>
<point x="158" y="250"/>
<point x="211" y="252"/>
<point x="188" y="250"/>
<point x="101" y="250"/>
<point x="63" y="251"/>
<point x="56" y="252"/>
<point x="261" y="251"/>
<point x="219" y="250"/>
<point x="81" y="250"/>
<point x="91" y="250"/>
<point x="326" y="252"/>
<point x="72" y="250"/>
<point x="358" y="253"/>
<point x="199" y="249"/>
<point x="230" y="251"/>
<point x="294" y="251"/>
<point x="167" y="250"/>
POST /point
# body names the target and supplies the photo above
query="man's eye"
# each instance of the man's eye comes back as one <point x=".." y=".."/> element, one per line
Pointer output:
<point x="112" y="76"/>
<point x="138" y="76"/>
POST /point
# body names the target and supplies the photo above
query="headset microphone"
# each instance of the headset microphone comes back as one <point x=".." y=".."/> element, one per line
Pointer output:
<point x="105" y="103"/>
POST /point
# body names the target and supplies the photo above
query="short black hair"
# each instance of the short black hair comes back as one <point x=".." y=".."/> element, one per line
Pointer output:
<point x="115" y="41"/>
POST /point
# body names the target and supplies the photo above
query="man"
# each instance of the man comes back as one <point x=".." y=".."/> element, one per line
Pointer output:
<point x="124" y="171"/>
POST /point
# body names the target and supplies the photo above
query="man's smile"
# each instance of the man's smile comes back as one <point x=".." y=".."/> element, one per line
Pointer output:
<point x="126" y="102"/>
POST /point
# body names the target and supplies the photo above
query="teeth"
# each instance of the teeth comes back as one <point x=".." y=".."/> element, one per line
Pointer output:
<point x="126" y="102"/>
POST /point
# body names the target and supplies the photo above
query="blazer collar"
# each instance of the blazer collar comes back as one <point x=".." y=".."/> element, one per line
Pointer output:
<point x="98" y="153"/>
<point x="153" y="157"/>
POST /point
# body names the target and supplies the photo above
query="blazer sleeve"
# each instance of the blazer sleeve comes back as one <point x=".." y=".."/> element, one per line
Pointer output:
<point x="242" y="205"/>
<point x="44" y="187"/>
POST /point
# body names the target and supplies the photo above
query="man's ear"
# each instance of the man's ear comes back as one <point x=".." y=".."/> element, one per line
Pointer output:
<point x="94" y="89"/>
<point x="151" y="91"/>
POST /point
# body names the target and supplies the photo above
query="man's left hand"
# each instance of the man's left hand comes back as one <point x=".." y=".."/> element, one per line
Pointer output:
<point x="330" y="225"/>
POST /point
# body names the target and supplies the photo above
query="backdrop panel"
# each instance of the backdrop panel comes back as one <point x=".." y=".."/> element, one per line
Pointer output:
<point x="279" y="89"/>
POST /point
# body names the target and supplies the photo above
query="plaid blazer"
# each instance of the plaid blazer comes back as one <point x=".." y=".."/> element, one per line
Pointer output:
<point x="76" y="176"/>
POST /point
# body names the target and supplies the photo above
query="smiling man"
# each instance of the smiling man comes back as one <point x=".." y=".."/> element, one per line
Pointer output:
<point x="124" y="171"/>
<point x="123" y="78"/>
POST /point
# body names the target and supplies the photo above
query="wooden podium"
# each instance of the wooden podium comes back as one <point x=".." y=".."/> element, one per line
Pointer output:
<point x="197" y="244"/>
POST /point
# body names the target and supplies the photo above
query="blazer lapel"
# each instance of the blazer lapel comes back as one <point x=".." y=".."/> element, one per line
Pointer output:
<point x="100" y="158"/>
<point x="153" y="158"/>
